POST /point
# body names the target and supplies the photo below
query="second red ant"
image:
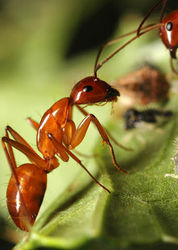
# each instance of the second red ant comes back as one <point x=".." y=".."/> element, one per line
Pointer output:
<point x="168" y="30"/>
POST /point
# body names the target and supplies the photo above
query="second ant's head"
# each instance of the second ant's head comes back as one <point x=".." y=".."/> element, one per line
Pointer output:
<point x="169" y="32"/>
<point x="92" y="90"/>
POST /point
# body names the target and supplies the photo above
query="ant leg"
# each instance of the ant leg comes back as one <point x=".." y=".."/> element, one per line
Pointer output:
<point x="107" y="139"/>
<point x="29" y="151"/>
<point x="31" y="154"/>
<point x="33" y="123"/>
<point x="18" y="137"/>
<point x="82" y="129"/>
<point x="11" y="152"/>
<point x="116" y="142"/>
<point x="56" y="144"/>
<point x="109" y="135"/>
<point x="85" y="155"/>
<point x="21" y="145"/>
<point x="10" y="156"/>
<point x="150" y="12"/>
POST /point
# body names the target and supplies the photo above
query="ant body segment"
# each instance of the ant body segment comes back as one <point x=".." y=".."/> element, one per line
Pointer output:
<point x="168" y="30"/>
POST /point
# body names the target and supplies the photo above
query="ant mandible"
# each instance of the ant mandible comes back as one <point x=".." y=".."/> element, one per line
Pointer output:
<point x="168" y="31"/>
<point x="56" y="135"/>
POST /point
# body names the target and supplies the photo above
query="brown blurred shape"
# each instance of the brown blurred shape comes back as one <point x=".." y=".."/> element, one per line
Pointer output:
<point x="143" y="86"/>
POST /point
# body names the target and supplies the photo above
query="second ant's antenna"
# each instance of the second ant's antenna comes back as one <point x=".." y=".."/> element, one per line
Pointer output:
<point x="150" y="12"/>
<point x="138" y="33"/>
<point x="144" y="30"/>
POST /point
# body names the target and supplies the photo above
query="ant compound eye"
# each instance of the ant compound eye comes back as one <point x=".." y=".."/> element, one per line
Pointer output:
<point x="169" y="26"/>
<point x="88" y="88"/>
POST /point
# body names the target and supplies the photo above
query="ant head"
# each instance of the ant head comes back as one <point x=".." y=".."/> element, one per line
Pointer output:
<point x="169" y="31"/>
<point x="92" y="90"/>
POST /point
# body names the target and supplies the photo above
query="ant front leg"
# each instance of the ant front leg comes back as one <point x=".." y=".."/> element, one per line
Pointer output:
<point x="108" y="133"/>
<point x="59" y="147"/>
<point x="82" y="129"/>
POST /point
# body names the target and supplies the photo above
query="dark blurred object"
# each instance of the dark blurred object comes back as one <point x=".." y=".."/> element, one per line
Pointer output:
<point x="4" y="243"/>
<point x="133" y="117"/>
<point x="143" y="86"/>
<point x="95" y="29"/>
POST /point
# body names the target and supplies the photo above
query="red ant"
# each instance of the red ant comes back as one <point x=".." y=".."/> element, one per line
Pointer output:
<point x="56" y="135"/>
<point x="168" y="30"/>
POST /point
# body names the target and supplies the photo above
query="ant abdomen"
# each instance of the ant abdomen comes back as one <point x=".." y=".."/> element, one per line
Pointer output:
<point x="30" y="190"/>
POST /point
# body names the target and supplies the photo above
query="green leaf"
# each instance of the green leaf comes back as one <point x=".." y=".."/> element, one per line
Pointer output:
<point x="141" y="211"/>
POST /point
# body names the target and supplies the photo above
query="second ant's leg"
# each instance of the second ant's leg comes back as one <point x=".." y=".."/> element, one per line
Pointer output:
<point x="33" y="123"/>
<point x="56" y="144"/>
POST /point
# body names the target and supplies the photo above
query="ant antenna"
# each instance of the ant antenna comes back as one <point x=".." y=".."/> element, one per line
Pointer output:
<point x="109" y="43"/>
<point x="144" y="30"/>
<point x="163" y="10"/>
<point x="138" y="32"/>
<point x="150" y="12"/>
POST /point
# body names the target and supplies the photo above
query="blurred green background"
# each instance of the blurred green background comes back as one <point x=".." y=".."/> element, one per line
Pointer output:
<point x="46" y="46"/>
